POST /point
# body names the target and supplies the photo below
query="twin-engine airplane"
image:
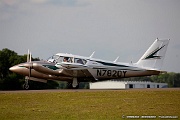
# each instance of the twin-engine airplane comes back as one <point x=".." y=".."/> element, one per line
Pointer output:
<point x="75" y="69"/>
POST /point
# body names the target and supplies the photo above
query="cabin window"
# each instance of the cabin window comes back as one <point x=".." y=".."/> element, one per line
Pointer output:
<point x="68" y="59"/>
<point x="84" y="61"/>
<point x="79" y="60"/>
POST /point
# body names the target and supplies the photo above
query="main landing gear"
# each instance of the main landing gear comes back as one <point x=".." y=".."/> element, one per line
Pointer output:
<point x="73" y="85"/>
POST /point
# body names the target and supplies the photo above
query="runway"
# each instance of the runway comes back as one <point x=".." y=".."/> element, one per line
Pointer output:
<point x="88" y="104"/>
<point x="89" y="90"/>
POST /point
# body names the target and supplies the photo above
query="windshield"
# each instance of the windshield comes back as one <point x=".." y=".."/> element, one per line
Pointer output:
<point x="53" y="58"/>
<point x="59" y="59"/>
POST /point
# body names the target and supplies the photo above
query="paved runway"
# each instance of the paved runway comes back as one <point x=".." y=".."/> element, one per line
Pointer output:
<point x="90" y="90"/>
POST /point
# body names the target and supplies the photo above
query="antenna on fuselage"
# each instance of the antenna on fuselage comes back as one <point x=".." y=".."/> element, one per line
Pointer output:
<point x="131" y="61"/>
<point x="92" y="55"/>
<point x="87" y="63"/>
<point x="116" y="59"/>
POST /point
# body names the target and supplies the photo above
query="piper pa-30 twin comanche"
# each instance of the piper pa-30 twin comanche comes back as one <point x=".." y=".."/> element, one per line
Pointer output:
<point x="75" y="69"/>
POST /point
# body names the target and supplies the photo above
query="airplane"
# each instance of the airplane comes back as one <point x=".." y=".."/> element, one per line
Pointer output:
<point x="75" y="69"/>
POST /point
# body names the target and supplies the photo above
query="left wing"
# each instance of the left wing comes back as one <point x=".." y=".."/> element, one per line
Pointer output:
<point x="71" y="66"/>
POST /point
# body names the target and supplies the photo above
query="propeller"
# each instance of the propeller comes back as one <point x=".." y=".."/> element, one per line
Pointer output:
<point x="29" y="57"/>
<point x="29" y="65"/>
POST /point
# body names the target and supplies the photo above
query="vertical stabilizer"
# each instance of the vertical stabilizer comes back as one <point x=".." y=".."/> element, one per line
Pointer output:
<point x="154" y="56"/>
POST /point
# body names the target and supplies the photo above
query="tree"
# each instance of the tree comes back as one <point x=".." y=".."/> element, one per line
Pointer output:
<point x="177" y="80"/>
<point x="173" y="79"/>
<point x="7" y="59"/>
<point x="9" y="80"/>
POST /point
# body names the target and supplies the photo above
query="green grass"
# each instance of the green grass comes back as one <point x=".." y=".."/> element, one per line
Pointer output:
<point x="92" y="105"/>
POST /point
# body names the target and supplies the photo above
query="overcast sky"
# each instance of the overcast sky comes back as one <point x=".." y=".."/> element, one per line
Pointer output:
<point x="112" y="28"/>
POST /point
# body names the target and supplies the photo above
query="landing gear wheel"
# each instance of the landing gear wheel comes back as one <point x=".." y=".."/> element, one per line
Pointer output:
<point x="76" y="87"/>
<point x="26" y="86"/>
<point x="70" y="86"/>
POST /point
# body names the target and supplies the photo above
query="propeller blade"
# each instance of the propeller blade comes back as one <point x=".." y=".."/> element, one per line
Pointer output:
<point x="29" y="72"/>
<point x="28" y="56"/>
<point x="30" y="68"/>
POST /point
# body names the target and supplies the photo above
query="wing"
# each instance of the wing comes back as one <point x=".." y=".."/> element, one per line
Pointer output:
<point x="80" y="70"/>
<point x="63" y="72"/>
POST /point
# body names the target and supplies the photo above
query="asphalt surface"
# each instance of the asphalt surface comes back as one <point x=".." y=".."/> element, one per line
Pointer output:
<point x="90" y="90"/>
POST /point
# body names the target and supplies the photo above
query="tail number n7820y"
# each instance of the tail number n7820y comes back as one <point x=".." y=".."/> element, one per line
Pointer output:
<point x="111" y="73"/>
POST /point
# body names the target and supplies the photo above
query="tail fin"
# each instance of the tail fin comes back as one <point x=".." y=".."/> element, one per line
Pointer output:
<point x="154" y="56"/>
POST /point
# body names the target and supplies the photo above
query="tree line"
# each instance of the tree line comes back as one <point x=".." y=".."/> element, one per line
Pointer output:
<point x="171" y="78"/>
<point x="13" y="81"/>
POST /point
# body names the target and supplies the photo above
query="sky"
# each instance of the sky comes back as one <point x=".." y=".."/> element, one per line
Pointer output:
<point x="124" y="28"/>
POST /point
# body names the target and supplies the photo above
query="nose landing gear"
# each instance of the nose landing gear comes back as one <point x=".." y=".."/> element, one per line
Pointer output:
<point x="26" y="85"/>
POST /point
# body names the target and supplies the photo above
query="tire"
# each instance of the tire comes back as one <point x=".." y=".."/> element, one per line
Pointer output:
<point x="70" y="86"/>
<point x="25" y="86"/>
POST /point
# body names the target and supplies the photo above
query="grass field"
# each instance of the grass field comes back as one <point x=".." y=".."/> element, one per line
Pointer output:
<point x="100" y="105"/>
